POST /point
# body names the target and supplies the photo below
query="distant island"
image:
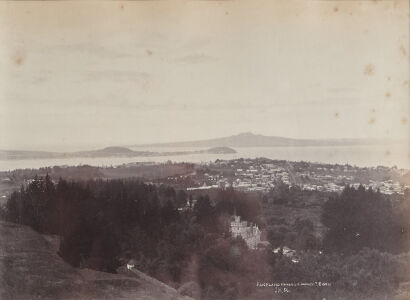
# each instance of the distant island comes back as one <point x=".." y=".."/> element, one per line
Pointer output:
<point x="105" y="152"/>
<point x="249" y="139"/>
<point x="222" y="145"/>
<point x="220" y="150"/>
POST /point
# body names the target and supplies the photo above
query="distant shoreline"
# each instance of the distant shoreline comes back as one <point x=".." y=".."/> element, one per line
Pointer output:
<point x="362" y="156"/>
<point x="109" y="152"/>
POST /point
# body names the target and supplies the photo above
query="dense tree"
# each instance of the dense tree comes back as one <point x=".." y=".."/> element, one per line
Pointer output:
<point x="367" y="274"/>
<point x="103" y="224"/>
<point x="231" y="202"/>
<point x="361" y="218"/>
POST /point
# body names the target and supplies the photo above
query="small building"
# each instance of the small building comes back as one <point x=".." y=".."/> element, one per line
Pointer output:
<point x="289" y="253"/>
<point x="131" y="264"/>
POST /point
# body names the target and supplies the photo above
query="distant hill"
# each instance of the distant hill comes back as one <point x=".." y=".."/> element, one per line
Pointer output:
<point x="116" y="150"/>
<point x="249" y="139"/>
<point x="106" y="152"/>
<point x="220" y="150"/>
<point x="222" y="145"/>
<point x="112" y="152"/>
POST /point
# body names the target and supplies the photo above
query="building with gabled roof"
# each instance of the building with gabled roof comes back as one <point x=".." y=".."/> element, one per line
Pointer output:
<point x="249" y="232"/>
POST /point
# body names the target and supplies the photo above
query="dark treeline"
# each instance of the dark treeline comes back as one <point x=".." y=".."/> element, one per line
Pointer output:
<point x="103" y="224"/>
<point x="359" y="218"/>
<point x="363" y="251"/>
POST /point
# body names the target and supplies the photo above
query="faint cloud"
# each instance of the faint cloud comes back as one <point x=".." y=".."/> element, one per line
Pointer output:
<point x="39" y="79"/>
<point x="342" y="95"/>
<point x="89" y="48"/>
<point x="196" y="58"/>
<point x="142" y="80"/>
<point x="117" y="75"/>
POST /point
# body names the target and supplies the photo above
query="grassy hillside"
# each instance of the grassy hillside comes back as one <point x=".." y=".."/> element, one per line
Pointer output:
<point x="31" y="269"/>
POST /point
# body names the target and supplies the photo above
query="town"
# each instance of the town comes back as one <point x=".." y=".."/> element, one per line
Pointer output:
<point x="261" y="175"/>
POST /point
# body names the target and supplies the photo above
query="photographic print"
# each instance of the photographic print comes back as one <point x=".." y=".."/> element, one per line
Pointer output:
<point x="241" y="150"/>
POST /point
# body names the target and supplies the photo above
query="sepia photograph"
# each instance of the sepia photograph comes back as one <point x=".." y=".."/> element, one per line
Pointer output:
<point x="205" y="150"/>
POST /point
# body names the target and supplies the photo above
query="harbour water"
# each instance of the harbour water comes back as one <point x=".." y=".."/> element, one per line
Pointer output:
<point x="363" y="156"/>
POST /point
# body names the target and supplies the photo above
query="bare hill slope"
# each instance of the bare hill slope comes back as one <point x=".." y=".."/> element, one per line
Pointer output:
<point x="31" y="269"/>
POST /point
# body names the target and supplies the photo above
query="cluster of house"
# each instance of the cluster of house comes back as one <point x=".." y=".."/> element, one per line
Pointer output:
<point x="326" y="187"/>
<point x="253" y="178"/>
<point x="262" y="177"/>
<point x="317" y="181"/>
<point x="385" y="187"/>
<point x="259" y="178"/>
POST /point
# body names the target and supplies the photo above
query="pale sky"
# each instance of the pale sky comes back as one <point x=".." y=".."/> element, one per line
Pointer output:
<point x="78" y="75"/>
